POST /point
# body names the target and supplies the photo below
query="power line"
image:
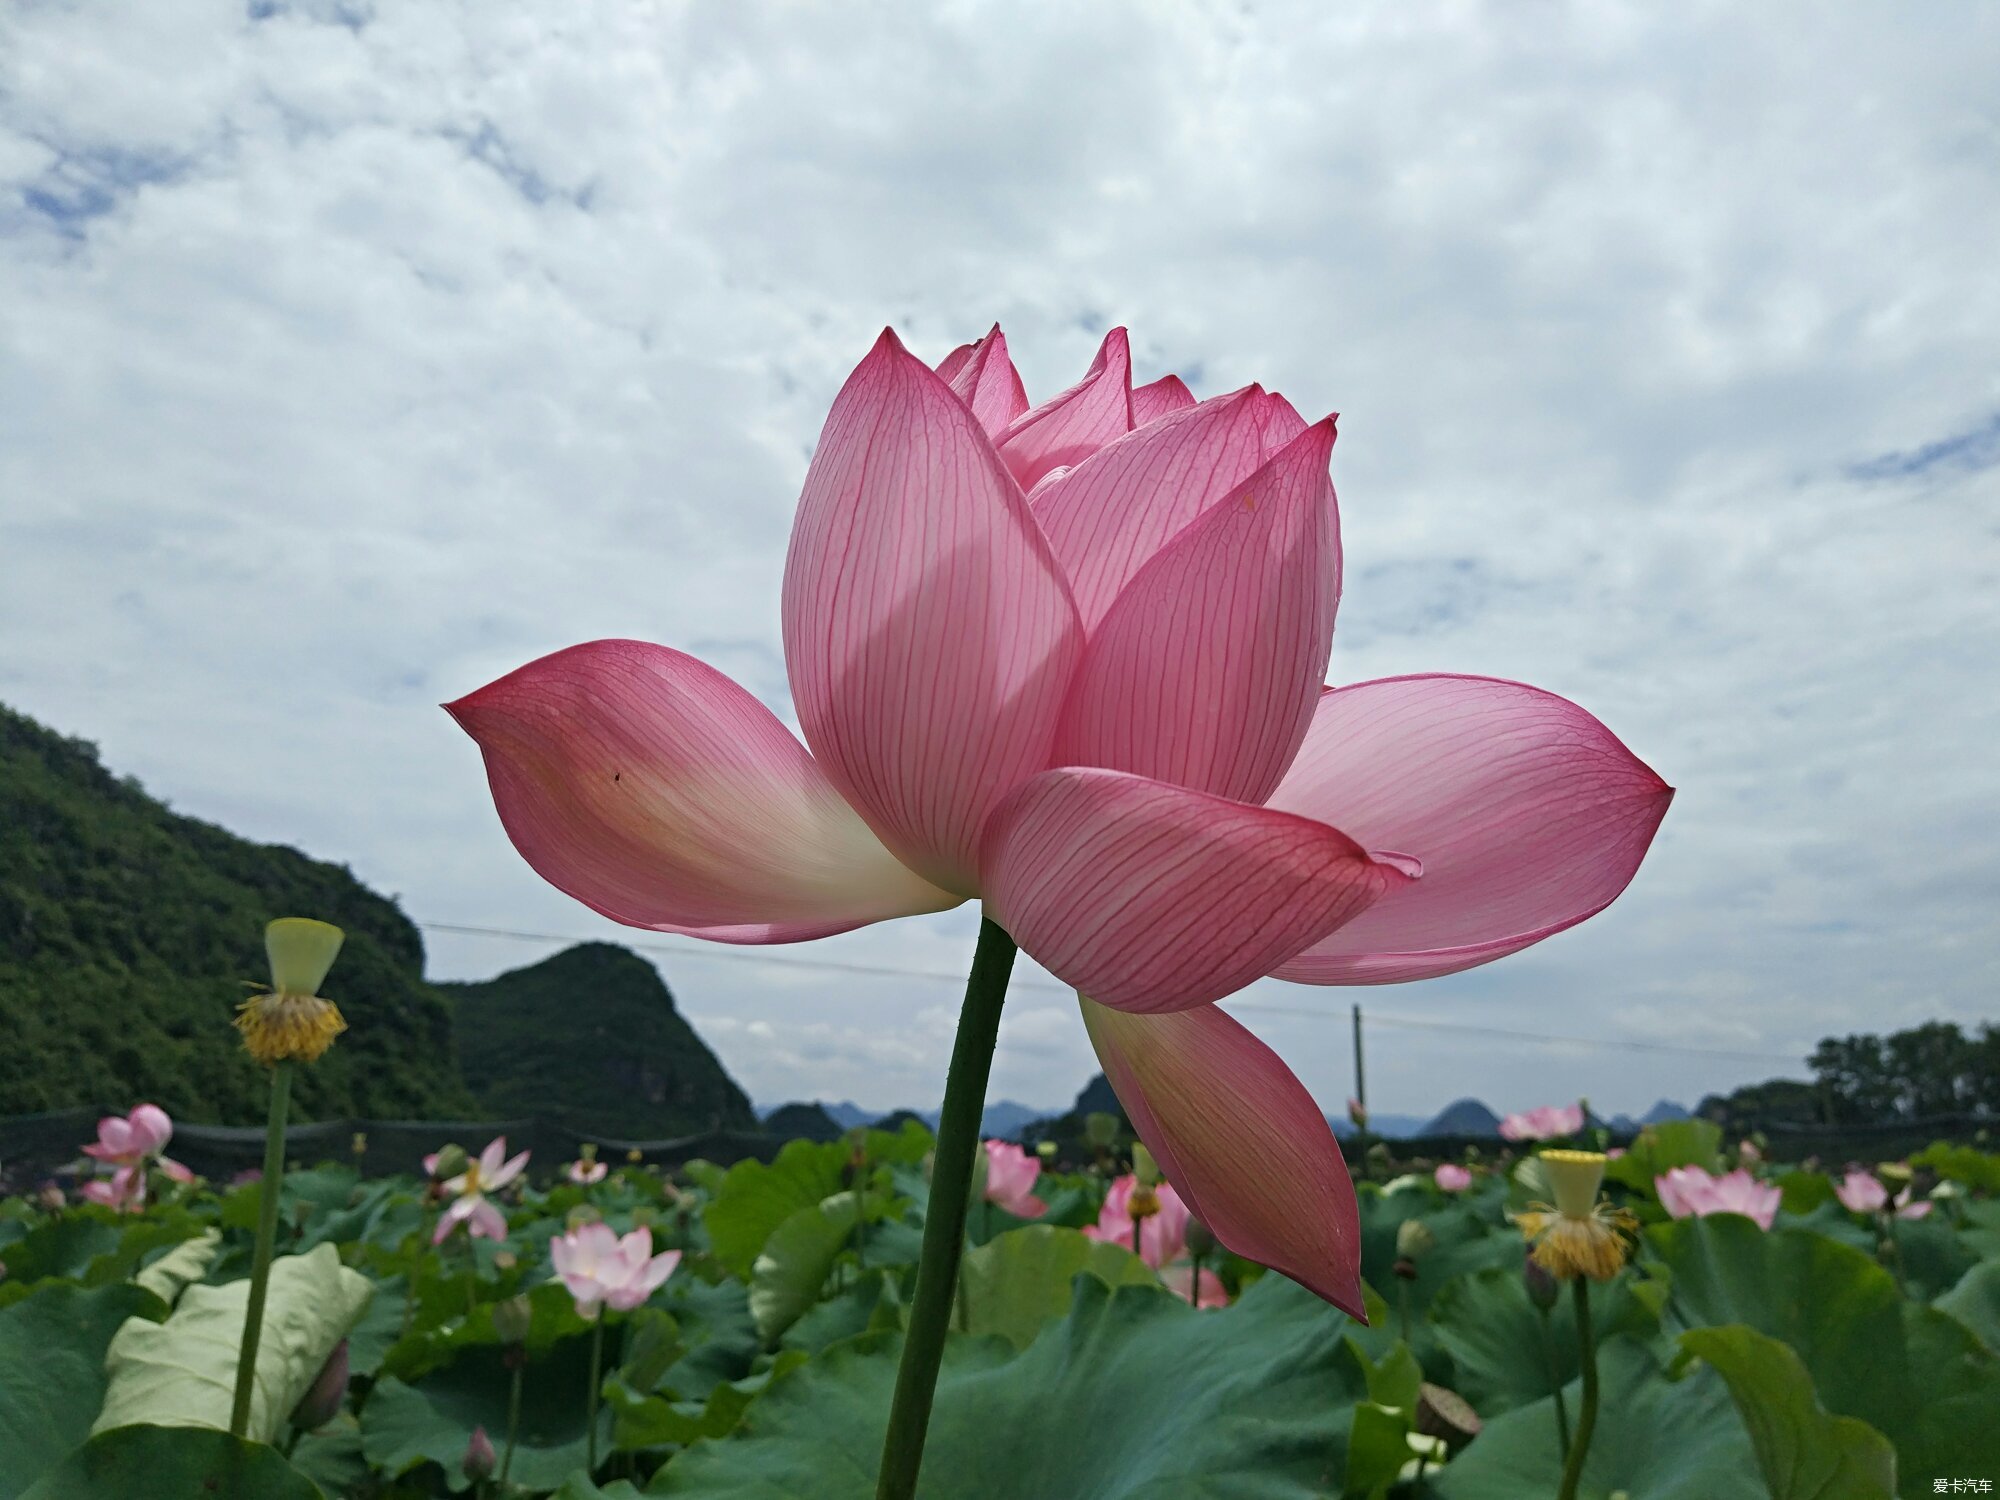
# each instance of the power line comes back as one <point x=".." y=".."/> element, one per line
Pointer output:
<point x="889" y="971"/>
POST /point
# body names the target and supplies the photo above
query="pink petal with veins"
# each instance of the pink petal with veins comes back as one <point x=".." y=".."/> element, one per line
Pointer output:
<point x="1070" y="427"/>
<point x="928" y="630"/>
<point x="1528" y="814"/>
<point x="1151" y="897"/>
<point x="1206" y="670"/>
<point x="1242" y="1140"/>
<point x="655" y="790"/>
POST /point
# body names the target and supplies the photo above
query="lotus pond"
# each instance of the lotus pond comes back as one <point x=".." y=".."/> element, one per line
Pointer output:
<point x="751" y="1350"/>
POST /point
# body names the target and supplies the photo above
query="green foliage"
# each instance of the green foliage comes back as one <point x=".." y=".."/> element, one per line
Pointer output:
<point x="1660" y="1439"/>
<point x="52" y="1372"/>
<point x="754" y="1198"/>
<point x="1662" y="1147"/>
<point x="126" y="931"/>
<point x="1804" y="1452"/>
<point x="1914" y="1373"/>
<point x="1133" y="1395"/>
<point x="591" y="1038"/>
<point x="172" y="1463"/>
<point x="1016" y="1283"/>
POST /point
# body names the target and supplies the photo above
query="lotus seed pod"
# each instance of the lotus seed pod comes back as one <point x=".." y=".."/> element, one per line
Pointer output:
<point x="480" y="1459"/>
<point x="328" y="1393"/>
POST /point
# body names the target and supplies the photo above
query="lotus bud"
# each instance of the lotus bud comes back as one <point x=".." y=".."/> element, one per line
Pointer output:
<point x="1143" y="1166"/>
<point x="1100" y="1129"/>
<point x="1378" y="1157"/>
<point x="1542" y="1289"/>
<point x="51" y="1198"/>
<point x="1446" y="1415"/>
<point x="513" y="1318"/>
<point x="480" y="1459"/>
<point x="1200" y="1239"/>
<point x="328" y="1393"/>
<point x="579" y="1216"/>
<point x="1414" y="1239"/>
<point x="1357" y="1114"/>
<point x="359" y="1145"/>
<point x="451" y="1162"/>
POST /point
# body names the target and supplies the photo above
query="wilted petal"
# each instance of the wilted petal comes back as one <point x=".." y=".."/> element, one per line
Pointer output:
<point x="1527" y="813"/>
<point x="486" y="1222"/>
<point x="1151" y="897"/>
<point x="1108" y="516"/>
<point x="928" y="630"/>
<point x="1241" y="1139"/>
<point x="1207" y="668"/>
<point x="1068" y="428"/>
<point x="653" y="789"/>
<point x="983" y="376"/>
<point x="1151" y="402"/>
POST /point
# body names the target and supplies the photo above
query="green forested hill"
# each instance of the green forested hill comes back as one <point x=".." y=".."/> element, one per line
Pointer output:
<point x="126" y="931"/>
<point x="590" y="1037"/>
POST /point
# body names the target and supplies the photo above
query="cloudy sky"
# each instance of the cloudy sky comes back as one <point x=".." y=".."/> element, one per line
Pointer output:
<point x="352" y="355"/>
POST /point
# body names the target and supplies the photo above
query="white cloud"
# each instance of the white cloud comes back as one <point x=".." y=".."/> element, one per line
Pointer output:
<point x="354" y="355"/>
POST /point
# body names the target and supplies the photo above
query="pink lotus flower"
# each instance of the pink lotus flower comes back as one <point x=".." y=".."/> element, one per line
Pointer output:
<point x="490" y="1171"/>
<point x="1863" y="1193"/>
<point x="598" y="1267"/>
<point x="585" y="1172"/>
<point x="1452" y="1177"/>
<point x="1068" y="659"/>
<point x="1548" y="1122"/>
<point x="1162" y="1240"/>
<point x="1010" y="1179"/>
<point x="1859" y="1192"/>
<point x="1690" y="1192"/>
<point x="132" y="1143"/>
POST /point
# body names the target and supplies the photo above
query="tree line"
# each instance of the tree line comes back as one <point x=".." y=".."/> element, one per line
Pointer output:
<point x="1936" y="1070"/>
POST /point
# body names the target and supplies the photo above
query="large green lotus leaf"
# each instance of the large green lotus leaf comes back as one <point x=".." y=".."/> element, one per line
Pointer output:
<point x="579" y="1487"/>
<point x="1805" y="1452"/>
<point x="1915" y="1374"/>
<point x="182" y="1373"/>
<point x="1505" y="1354"/>
<point x="754" y="1198"/>
<point x="1656" y="1439"/>
<point x="1966" y="1164"/>
<point x="716" y="1328"/>
<point x="1933" y="1257"/>
<point x="404" y="1425"/>
<point x="1975" y="1302"/>
<point x="52" y="1371"/>
<point x="1015" y="1284"/>
<point x="867" y="1302"/>
<point x="792" y="1269"/>
<point x="553" y="1319"/>
<point x="1134" y="1395"/>
<point x="170" y="1275"/>
<point x="1662" y="1147"/>
<point x="63" y="1248"/>
<point x="173" y="1463"/>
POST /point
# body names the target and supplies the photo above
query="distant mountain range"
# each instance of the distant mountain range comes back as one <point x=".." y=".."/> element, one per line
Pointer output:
<point x="1003" y="1117"/>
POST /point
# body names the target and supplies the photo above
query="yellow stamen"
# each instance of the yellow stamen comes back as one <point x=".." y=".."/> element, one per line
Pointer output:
<point x="281" y="1026"/>
<point x="1143" y="1203"/>
<point x="1594" y="1245"/>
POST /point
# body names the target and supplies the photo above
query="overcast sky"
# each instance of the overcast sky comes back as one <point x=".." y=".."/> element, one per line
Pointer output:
<point x="352" y="355"/>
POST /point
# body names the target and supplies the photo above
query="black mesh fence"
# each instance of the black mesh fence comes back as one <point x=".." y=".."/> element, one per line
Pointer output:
<point x="36" y="1147"/>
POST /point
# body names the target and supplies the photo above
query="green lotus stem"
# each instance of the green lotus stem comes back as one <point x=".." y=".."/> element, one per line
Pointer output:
<point x="267" y="1234"/>
<point x="596" y="1379"/>
<point x="1586" y="1418"/>
<point x="1403" y="1306"/>
<point x="1555" y="1385"/>
<point x="514" y="1420"/>
<point x="944" y="1222"/>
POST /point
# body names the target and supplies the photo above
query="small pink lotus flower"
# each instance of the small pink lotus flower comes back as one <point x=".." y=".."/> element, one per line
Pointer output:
<point x="600" y="1268"/>
<point x="1547" y="1122"/>
<point x="1162" y="1235"/>
<point x="1747" y="1153"/>
<point x="1859" y="1192"/>
<point x="585" y="1171"/>
<point x="1070" y="660"/>
<point x="1452" y="1177"/>
<point x="488" y="1172"/>
<point x="1179" y="1279"/>
<point x="1010" y="1180"/>
<point x="1863" y="1193"/>
<point x="1357" y="1114"/>
<point x="132" y="1143"/>
<point x="1688" y="1192"/>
